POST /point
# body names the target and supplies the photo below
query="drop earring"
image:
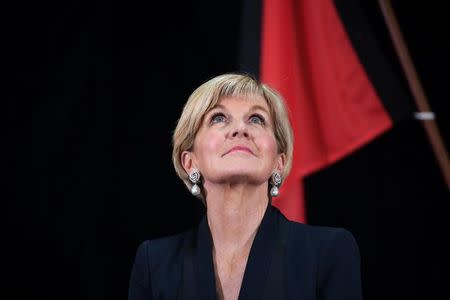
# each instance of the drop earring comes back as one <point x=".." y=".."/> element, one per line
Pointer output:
<point x="275" y="181"/>
<point x="194" y="177"/>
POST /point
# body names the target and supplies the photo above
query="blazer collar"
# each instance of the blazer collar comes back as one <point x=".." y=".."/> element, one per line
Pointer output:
<point x="258" y="263"/>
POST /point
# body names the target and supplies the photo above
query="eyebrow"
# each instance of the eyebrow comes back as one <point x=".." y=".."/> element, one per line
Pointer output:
<point x="259" y="107"/>
<point x="252" y="109"/>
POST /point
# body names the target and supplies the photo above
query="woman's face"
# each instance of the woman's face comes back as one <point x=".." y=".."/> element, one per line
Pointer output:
<point x="236" y="142"/>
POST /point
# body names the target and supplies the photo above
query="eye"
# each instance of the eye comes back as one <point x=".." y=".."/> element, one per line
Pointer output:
<point x="257" y="119"/>
<point x="218" y="118"/>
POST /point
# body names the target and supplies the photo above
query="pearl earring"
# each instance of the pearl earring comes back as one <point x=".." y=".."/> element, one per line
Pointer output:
<point x="194" y="177"/>
<point x="276" y="181"/>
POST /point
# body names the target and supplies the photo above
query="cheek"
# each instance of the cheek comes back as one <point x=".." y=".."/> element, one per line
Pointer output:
<point x="210" y="146"/>
<point x="269" y="144"/>
<point x="207" y="144"/>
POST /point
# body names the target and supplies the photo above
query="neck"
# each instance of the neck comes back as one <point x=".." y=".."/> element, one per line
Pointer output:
<point x="234" y="214"/>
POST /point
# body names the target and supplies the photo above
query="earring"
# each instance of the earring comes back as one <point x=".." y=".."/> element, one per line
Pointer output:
<point x="194" y="177"/>
<point x="276" y="181"/>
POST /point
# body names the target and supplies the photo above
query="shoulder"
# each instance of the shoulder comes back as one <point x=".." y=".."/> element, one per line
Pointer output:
<point x="321" y="236"/>
<point x="327" y="244"/>
<point x="321" y="260"/>
<point x="162" y="243"/>
<point x="156" y="261"/>
<point x="313" y="238"/>
<point x="154" y="252"/>
<point x="331" y="253"/>
<point x="155" y="258"/>
<point x="320" y="244"/>
<point x="322" y="241"/>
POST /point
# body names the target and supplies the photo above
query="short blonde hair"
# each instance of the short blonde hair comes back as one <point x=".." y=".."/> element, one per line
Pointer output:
<point x="208" y="95"/>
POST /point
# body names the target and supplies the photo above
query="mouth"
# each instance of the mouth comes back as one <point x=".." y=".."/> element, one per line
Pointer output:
<point x="240" y="149"/>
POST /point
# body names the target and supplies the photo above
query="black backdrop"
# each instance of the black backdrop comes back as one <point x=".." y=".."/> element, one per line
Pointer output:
<point x="93" y="93"/>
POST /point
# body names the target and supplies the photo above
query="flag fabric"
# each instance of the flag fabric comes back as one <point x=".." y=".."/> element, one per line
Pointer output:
<point x="340" y="88"/>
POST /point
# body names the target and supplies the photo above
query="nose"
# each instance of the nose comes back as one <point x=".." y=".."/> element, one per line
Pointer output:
<point x="240" y="130"/>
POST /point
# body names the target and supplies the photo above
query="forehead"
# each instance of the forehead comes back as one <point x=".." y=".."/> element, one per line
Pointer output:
<point x="244" y="101"/>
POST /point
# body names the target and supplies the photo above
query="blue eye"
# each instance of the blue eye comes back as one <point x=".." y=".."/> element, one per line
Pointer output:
<point x="218" y="118"/>
<point x="257" y="119"/>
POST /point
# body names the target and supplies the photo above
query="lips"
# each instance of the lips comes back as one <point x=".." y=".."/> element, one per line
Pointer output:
<point x="240" y="149"/>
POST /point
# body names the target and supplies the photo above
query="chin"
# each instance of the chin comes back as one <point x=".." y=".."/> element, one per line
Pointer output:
<point x="242" y="176"/>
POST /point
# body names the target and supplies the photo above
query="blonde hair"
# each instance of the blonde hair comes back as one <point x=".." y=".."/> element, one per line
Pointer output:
<point x="208" y="95"/>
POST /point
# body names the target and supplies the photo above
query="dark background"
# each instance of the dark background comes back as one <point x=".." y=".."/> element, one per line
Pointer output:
<point x="93" y="91"/>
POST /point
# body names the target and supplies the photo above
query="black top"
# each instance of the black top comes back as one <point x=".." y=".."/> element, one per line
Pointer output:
<point x="287" y="260"/>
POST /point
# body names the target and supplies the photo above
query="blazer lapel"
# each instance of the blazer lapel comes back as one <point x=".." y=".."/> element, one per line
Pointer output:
<point x="260" y="257"/>
<point x="198" y="275"/>
<point x="204" y="267"/>
<point x="200" y="269"/>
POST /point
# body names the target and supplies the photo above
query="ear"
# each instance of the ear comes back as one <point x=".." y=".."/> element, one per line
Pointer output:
<point x="281" y="162"/>
<point x="187" y="160"/>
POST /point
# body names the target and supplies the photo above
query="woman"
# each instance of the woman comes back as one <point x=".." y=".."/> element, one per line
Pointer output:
<point x="232" y="147"/>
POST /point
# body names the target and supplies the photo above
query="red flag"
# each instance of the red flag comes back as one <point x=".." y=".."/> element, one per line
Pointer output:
<point x="307" y="55"/>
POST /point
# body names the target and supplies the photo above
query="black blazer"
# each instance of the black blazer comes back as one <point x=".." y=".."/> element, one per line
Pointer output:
<point x="288" y="260"/>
